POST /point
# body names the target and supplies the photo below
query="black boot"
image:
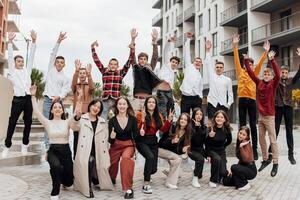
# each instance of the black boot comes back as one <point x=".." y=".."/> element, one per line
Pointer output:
<point x="292" y="159"/>
<point x="274" y="170"/>
<point x="264" y="164"/>
<point x="129" y="195"/>
<point x="255" y="154"/>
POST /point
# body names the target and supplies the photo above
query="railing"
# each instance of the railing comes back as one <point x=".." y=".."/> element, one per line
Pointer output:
<point x="291" y="62"/>
<point x="157" y="18"/>
<point x="257" y="2"/>
<point x="179" y="41"/>
<point x="233" y="11"/>
<point x="231" y="74"/>
<point x="179" y="19"/>
<point x="190" y="12"/>
<point x="280" y="26"/>
<point x="227" y="44"/>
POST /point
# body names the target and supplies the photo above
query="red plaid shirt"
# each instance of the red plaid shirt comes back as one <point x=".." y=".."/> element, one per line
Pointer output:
<point x="112" y="80"/>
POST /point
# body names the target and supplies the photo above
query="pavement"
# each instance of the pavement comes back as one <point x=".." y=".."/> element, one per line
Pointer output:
<point x="34" y="182"/>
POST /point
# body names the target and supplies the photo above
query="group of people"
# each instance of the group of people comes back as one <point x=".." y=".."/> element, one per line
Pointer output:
<point x="147" y="123"/>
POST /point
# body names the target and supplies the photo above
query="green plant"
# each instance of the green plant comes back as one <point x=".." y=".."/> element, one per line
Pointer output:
<point x="37" y="79"/>
<point x="177" y="84"/>
<point x="125" y="90"/>
<point x="98" y="90"/>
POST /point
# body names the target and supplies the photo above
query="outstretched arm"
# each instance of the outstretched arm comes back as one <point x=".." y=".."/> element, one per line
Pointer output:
<point x="35" y="108"/>
<point x="263" y="57"/>
<point x="11" y="61"/>
<point x="96" y="58"/>
<point x="237" y="63"/>
<point x="187" y="50"/>
<point x="166" y="52"/>
<point x="32" y="51"/>
<point x="155" y="49"/>
<point x="89" y="78"/>
<point x="75" y="76"/>
<point x="61" y="37"/>
<point x="208" y="64"/>
<point x="275" y="67"/>
<point x="249" y="70"/>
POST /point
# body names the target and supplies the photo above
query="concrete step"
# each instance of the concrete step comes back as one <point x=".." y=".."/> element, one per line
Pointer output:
<point x="34" y="128"/>
<point x="17" y="159"/>
<point x="34" y="146"/>
<point x="34" y="136"/>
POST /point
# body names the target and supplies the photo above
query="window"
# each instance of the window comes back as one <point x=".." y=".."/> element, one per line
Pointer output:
<point x="215" y="44"/>
<point x="209" y="21"/>
<point x="204" y="3"/>
<point x="170" y="4"/>
<point x="199" y="48"/>
<point x="216" y="14"/>
<point x="285" y="20"/>
<point x="285" y="56"/>
<point x="172" y="20"/>
<point x="200" y="24"/>
<point x="204" y="47"/>
<point x="167" y="24"/>
<point x="199" y="5"/>
<point x="166" y="5"/>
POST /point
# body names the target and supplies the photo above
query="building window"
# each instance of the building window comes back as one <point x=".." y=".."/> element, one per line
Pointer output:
<point x="166" y="5"/>
<point x="200" y="24"/>
<point x="199" y="48"/>
<point x="199" y="5"/>
<point x="204" y="3"/>
<point x="204" y="47"/>
<point x="174" y="2"/>
<point x="216" y="14"/>
<point x="167" y="24"/>
<point x="215" y="44"/>
<point x="170" y="4"/>
<point x="209" y="20"/>
<point x="172" y="20"/>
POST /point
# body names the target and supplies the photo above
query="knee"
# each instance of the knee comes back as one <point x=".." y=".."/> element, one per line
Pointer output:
<point x="150" y="158"/>
<point x="234" y="168"/>
<point x="200" y="159"/>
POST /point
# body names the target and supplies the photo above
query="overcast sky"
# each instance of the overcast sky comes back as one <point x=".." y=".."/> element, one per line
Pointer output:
<point x="108" y="21"/>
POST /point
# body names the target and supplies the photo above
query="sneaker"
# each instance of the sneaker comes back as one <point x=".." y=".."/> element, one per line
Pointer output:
<point x="147" y="189"/>
<point x="274" y="170"/>
<point x="54" y="197"/>
<point x="129" y="194"/>
<point x="264" y="164"/>
<point x="212" y="184"/>
<point x="292" y="160"/>
<point x="244" y="188"/>
<point x="24" y="149"/>
<point x="5" y="152"/>
<point x="195" y="182"/>
<point x="171" y="186"/>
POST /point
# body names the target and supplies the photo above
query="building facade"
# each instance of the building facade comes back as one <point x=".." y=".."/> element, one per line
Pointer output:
<point x="218" y="20"/>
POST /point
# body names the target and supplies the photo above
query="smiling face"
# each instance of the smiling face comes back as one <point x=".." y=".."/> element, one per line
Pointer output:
<point x="95" y="109"/>
<point x="220" y="119"/>
<point x="267" y="75"/>
<point x="122" y="106"/>
<point x="197" y="63"/>
<point x="198" y="116"/>
<point x="82" y="75"/>
<point x="143" y="60"/>
<point x="57" y="110"/>
<point x="219" y="69"/>
<point x="174" y="64"/>
<point x="284" y="73"/>
<point x="113" y="65"/>
<point x="183" y="121"/>
<point x="151" y="104"/>
<point x="242" y="135"/>
<point x="19" y="62"/>
<point x="59" y="64"/>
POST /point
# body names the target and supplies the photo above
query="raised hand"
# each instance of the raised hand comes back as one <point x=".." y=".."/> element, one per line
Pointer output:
<point x="78" y="110"/>
<point x="77" y="64"/>
<point x="298" y="51"/>
<point x="236" y="39"/>
<point x="171" y="115"/>
<point x="94" y="44"/>
<point x="33" y="35"/>
<point x="11" y="37"/>
<point x="271" y="55"/>
<point x="208" y="45"/>
<point x="133" y="34"/>
<point x="142" y="131"/>
<point x="113" y="134"/>
<point x="266" y="46"/>
<point x="154" y="35"/>
<point x="61" y="37"/>
<point x="189" y="35"/>
<point x="33" y="90"/>
<point x="88" y="68"/>
<point x="244" y="143"/>
<point x="185" y="149"/>
<point x="246" y="56"/>
<point x="196" y="123"/>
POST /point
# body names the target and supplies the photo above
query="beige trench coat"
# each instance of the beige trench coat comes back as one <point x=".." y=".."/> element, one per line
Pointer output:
<point x="85" y="139"/>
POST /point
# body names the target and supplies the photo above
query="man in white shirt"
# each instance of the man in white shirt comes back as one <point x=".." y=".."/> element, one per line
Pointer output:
<point x="192" y="84"/>
<point x="167" y="74"/>
<point x="220" y="95"/>
<point x="19" y="75"/>
<point x="57" y="84"/>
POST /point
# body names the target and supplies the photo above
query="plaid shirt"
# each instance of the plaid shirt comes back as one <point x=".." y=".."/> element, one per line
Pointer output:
<point x="112" y="80"/>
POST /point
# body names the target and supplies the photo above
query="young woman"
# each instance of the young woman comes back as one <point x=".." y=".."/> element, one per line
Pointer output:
<point x="174" y="143"/>
<point x="150" y="121"/>
<point x="219" y="137"/>
<point x="59" y="155"/>
<point x="245" y="169"/>
<point x="197" y="151"/>
<point x="92" y="161"/>
<point x="123" y="131"/>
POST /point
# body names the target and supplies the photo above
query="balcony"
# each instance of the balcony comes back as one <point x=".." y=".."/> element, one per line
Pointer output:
<point x="13" y="8"/>
<point x="235" y="16"/>
<point x="226" y="46"/>
<point x="269" y="6"/>
<point x="12" y="24"/>
<point x="179" y="42"/>
<point x="158" y="20"/>
<point x="157" y="4"/>
<point x="179" y="20"/>
<point x="189" y="14"/>
<point x="278" y="32"/>
<point x="231" y="74"/>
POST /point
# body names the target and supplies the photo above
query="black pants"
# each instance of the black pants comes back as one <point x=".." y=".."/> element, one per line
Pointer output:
<point x="93" y="177"/>
<point x="240" y="175"/>
<point x="19" y="105"/>
<point x="190" y="102"/>
<point x="248" y="106"/>
<point x="218" y="166"/>
<point x="287" y="113"/>
<point x="61" y="166"/>
<point x="148" y="148"/>
<point x="211" y="110"/>
<point x="165" y="102"/>
<point x="199" y="162"/>
<point x="75" y="142"/>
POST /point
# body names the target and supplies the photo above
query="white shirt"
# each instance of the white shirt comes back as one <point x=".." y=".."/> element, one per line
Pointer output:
<point x="57" y="84"/>
<point x="192" y="84"/>
<point x="166" y="72"/>
<point x="220" y="86"/>
<point x="20" y="78"/>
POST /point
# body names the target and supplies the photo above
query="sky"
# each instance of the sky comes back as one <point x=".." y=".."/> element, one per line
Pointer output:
<point x="108" y="21"/>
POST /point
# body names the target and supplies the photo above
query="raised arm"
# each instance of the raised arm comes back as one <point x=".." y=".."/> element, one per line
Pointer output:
<point x="275" y="67"/>
<point x="249" y="70"/>
<point x="166" y="53"/>
<point x="11" y="61"/>
<point x="229" y="93"/>
<point x="187" y="50"/>
<point x="155" y="49"/>
<point x="75" y="76"/>
<point x="237" y="63"/>
<point x="263" y="57"/>
<point x="96" y="58"/>
<point x="208" y="62"/>
<point x="61" y="37"/>
<point x="297" y="75"/>
<point x="32" y="51"/>
<point x="89" y="78"/>
<point x="130" y="61"/>
<point x="35" y="108"/>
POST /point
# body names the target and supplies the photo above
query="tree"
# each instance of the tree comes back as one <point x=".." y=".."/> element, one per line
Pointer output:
<point x="98" y="90"/>
<point x="125" y="90"/>
<point x="37" y="79"/>
<point x="177" y="84"/>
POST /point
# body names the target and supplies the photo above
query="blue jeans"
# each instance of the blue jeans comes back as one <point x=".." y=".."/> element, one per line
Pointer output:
<point x="108" y="104"/>
<point x="46" y="113"/>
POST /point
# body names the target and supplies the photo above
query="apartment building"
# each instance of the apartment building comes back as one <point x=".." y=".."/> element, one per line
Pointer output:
<point x="217" y="20"/>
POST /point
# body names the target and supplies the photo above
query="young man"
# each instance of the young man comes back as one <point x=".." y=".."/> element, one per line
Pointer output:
<point x="192" y="84"/>
<point x="83" y="92"/>
<point x="57" y="84"/>
<point x="247" y="90"/>
<point x="284" y="107"/>
<point x="220" y="95"/>
<point x="167" y="74"/>
<point x="266" y="89"/>
<point x="112" y="77"/>
<point x="19" y="75"/>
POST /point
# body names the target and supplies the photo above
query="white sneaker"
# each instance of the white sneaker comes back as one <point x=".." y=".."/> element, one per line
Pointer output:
<point x="5" y="152"/>
<point x="212" y="184"/>
<point x="54" y="197"/>
<point x="195" y="182"/>
<point x="246" y="187"/>
<point x="168" y="185"/>
<point x="24" y="149"/>
<point x="147" y="189"/>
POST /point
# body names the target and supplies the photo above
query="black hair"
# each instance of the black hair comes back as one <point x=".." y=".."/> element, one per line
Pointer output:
<point x="63" y="115"/>
<point x="238" y="142"/>
<point x="175" y="58"/>
<point x="18" y="56"/>
<point x="93" y="102"/>
<point x="59" y="57"/>
<point x="155" y="116"/>
<point x="194" y="115"/>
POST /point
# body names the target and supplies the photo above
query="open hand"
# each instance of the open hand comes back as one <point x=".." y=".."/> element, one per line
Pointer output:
<point x="11" y="37"/>
<point x="88" y="68"/>
<point x="61" y="36"/>
<point x="33" y="35"/>
<point x="77" y="64"/>
<point x="236" y="39"/>
<point x="208" y="45"/>
<point x="266" y="46"/>
<point x="154" y="35"/>
<point x="94" y="44"/>
<point x="271" y="55"/>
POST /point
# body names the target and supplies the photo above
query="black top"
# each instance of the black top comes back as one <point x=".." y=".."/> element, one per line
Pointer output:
<point x="198" y="138"/>
<point x="94" y="125"/>
<point x="219" y="142"/>
<point x="130" y="132"/>
<point x="144" y="80"/>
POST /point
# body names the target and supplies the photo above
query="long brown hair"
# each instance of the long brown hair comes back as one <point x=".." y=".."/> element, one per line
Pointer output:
<point x="187" y="130"/>
<point x="63" y="115"/>
<point x="226" y="125"/>
<point x="238" y="142"/>
<point x="129" y="110"/>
